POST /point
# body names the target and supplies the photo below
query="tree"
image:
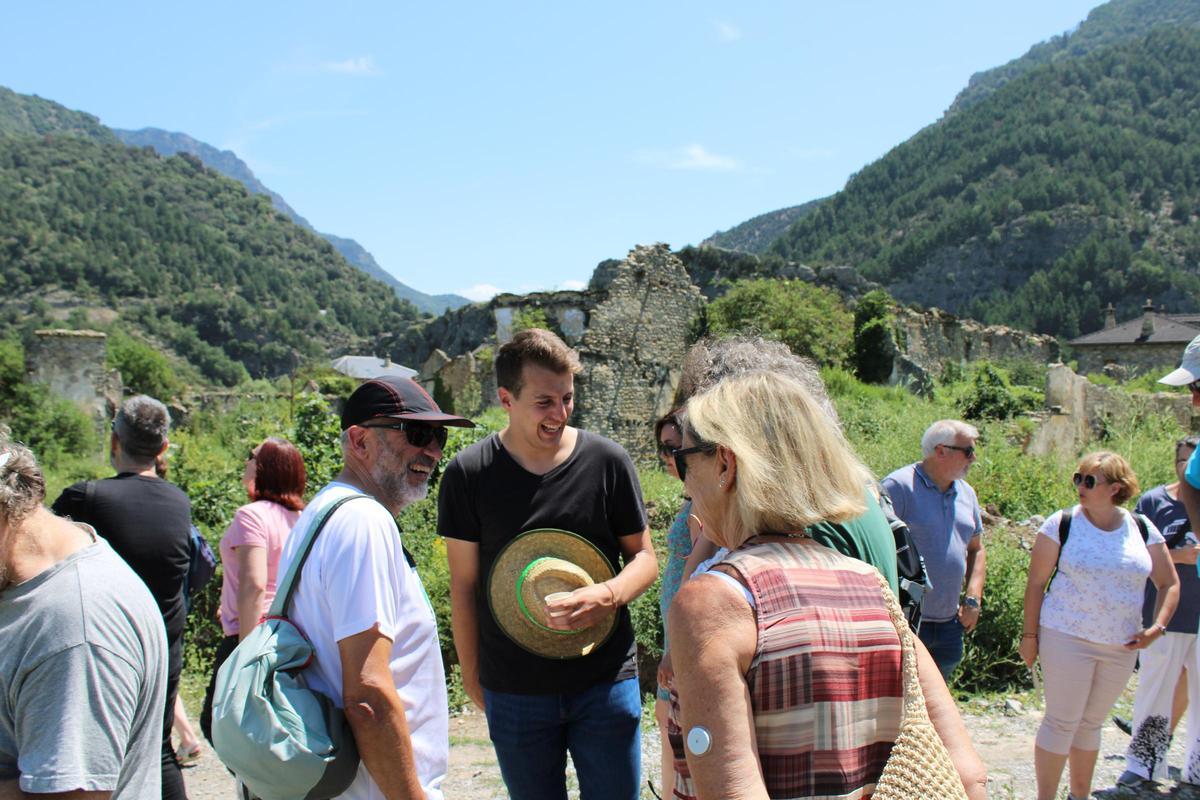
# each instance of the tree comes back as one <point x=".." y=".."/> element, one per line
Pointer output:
<point x="874" y="346"/>
<point x="811" y="320"/>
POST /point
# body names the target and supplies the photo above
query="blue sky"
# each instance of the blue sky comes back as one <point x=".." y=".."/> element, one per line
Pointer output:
<point x="481" y="146"/>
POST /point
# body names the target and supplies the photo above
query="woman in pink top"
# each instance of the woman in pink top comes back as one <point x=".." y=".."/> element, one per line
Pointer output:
<point x="275" y="479"/>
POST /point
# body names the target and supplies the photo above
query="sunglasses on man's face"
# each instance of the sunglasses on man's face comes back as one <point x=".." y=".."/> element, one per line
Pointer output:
<point x="1088" y="481"/>
<point x="682" y="454"/>
<point x="419" y="434"/>
<point x="966" y="451"/>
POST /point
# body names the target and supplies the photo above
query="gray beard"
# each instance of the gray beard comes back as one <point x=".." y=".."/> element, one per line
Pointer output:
<point x="394" y="484"/>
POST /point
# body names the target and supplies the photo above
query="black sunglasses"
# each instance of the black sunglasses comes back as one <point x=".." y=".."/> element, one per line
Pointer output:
<point x="682" y="454"/>
<point x="966" y="451"/>
<point x="665" y="449"/>
<point x="1088" y="481"/>
<point x="419" y="434"/>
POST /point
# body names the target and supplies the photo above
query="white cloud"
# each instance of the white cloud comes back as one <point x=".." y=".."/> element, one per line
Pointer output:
<point x="727" y="31"/>
<point x="573" y="286"/>
<point x="362" y="66"/>
<point x="479" y="292"/>
<point x="689" y="157"/>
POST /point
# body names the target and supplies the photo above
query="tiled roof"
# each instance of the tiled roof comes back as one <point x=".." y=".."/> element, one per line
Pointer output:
<point x="1168" y="329"/>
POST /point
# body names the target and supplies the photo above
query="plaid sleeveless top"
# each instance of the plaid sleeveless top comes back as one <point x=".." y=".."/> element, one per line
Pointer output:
<point x="825" y="683"/>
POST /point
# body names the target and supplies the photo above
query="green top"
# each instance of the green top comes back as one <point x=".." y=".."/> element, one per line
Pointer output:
<point x="868" y="538"/>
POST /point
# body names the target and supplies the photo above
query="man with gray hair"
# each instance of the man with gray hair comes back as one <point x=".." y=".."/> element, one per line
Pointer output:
<point x="147" y="521"/>
<point x="83" y="666"/>
<point x="360" y="600"/>
<point x="942" y="512"/>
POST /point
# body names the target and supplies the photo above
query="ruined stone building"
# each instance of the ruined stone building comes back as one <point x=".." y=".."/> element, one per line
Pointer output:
<point x="631" y="327"/>
<point x="1149" y="343"/>
<point x="73" y="365"/>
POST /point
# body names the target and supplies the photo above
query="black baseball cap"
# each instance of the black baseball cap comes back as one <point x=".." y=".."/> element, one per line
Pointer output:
<point x="396" y="398"/>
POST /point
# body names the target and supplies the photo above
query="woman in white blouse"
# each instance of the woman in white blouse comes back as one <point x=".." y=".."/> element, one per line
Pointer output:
<point x="1087" y="625"/>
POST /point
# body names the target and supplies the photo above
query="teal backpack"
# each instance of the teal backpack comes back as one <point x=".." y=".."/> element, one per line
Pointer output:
<point x="283" y="740"/>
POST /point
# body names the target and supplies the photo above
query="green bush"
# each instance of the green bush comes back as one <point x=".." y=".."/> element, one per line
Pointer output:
<point x="144" y="370"/>
<point x="874" y="346"/>
<point x="990" y="660"/>
<point x="811" y="320"/>
<point x="992" y="397"/>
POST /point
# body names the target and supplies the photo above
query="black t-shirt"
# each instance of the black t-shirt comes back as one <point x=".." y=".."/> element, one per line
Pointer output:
<point x="147" y="521"/>
<point x="487" y="497"/>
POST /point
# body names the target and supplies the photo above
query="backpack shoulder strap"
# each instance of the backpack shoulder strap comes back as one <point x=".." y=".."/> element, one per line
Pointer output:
<point x="287" y="584"/>
<point x="1143" y="526"/>
<point x="1064" y="530"/>
<point x="89" y="492"/>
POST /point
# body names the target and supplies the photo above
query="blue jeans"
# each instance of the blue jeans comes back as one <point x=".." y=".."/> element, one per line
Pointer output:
<point x="598" y="726"/>
<point x="944" y="641"/>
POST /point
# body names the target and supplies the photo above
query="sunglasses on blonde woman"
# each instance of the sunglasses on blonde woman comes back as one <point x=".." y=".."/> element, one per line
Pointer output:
<point x="681" y="457"/>
<point x="1088" y="481"/>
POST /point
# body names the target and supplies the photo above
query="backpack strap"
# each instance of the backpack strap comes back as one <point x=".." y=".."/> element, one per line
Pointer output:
<point x="89" y="492"/>
<point x="1143" y="526"/>
<point x="1064" y="531"/>
<point x="287" y="584"/>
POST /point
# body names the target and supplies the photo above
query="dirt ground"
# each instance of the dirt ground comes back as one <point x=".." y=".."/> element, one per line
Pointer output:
<point x="1003" y="737"/>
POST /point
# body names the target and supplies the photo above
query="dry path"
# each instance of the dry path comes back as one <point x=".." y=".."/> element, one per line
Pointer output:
<point x="1004" y="740"/>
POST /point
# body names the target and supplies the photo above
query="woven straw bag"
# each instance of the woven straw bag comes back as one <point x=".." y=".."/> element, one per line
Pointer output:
<point x="919" y="767"/>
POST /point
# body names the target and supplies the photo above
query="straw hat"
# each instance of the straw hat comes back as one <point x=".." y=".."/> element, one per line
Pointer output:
<point x="538" y="563"/>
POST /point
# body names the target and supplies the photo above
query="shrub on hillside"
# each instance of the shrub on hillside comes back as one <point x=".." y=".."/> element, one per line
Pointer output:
<point x="990" y="660"/>
<point x="874" y="345"/>
<point x="144" y="370"/>
<point x="811" y="320"/>
<point x="992" y="397"/>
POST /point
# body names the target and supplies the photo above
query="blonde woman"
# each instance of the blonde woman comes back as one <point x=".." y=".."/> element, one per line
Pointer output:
<point x="1087" y="626"/>
<point x="787" y="663"/>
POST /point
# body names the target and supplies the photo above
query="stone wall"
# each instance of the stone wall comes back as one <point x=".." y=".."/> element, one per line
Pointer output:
<point x="927" y="340"/>
<point x="634" y="345"/>
<point x="630" y="327"/>
<point x="1078" y="411"/>
<point x="73" y="365"/>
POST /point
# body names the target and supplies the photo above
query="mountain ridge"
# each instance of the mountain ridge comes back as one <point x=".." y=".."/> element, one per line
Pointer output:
<point x="169" y="143"/>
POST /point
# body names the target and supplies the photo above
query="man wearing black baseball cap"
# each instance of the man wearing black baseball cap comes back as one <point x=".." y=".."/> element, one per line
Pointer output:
<point x="360" y="600"/>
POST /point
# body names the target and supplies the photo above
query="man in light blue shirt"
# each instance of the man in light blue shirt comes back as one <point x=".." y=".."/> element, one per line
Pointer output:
<point x="942" y="513"/>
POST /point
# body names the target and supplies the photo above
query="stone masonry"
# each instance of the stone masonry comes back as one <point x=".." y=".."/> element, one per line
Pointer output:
<point x="927" y="340"/>
<point x="634" y="345"/>
<point x="72" y="364"/>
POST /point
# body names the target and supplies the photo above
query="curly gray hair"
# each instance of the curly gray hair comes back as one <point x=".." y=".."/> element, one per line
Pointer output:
<point x="22" y="485"/>
<point x="710" y="361"/>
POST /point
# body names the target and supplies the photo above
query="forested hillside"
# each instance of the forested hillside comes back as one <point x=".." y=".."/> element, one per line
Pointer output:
<point x="1115" y="22"/>
<point x="184" y="253"/>
<point x="1072" y="186"/>
<point x="169" y="143"/>
<point x="25" y="115"/>
<point x="756" y="235"/>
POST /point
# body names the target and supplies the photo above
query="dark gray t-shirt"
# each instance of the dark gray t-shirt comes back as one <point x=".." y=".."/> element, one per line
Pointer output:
<point x="83" y="677"/>
<point x="1170" y="517"/>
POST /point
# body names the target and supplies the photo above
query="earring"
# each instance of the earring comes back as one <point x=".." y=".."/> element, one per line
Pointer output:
<point x="722" y="483"/>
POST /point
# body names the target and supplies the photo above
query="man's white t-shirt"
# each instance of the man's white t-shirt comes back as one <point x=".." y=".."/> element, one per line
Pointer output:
<point x="1098" y="591"/>
<point x="355" y="579"/>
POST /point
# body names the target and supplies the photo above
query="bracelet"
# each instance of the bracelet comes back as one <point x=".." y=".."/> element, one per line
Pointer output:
<point x="612" y="596"/>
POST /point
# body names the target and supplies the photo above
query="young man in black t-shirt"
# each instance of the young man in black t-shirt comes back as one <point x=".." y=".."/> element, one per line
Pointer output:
<point x="540" y="472"/>
<point x="147" y="521"/>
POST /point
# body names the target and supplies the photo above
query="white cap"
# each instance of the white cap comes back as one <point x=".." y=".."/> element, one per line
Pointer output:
<point x="1189" y="368"/>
